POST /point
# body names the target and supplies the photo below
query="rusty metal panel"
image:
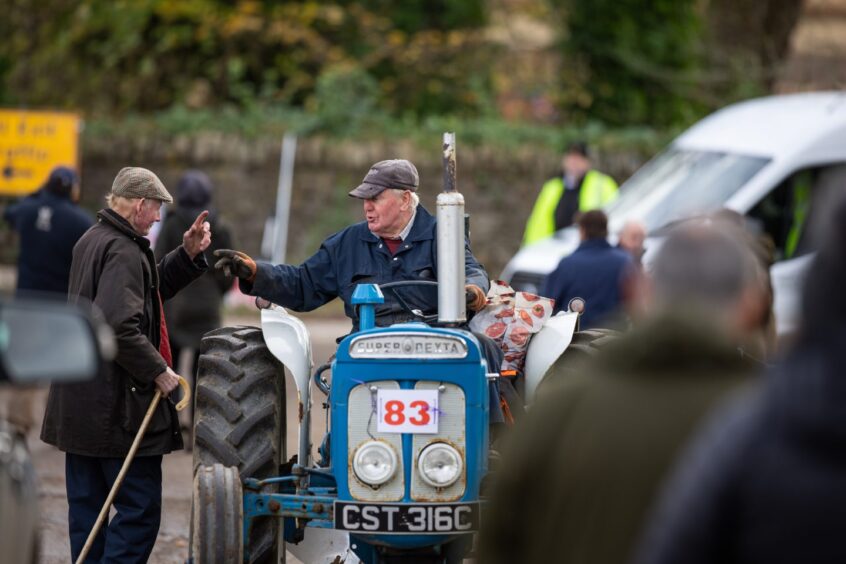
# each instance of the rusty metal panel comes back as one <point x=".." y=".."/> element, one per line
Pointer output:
<point x="361" y="428"/>
<point x="452" y="430"/>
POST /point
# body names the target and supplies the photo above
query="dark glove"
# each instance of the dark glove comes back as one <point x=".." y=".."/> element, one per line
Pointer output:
<point x="237" y="263"/>
<point x="476" y="298"/>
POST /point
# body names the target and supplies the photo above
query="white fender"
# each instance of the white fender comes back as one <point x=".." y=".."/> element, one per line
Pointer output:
<point x="545" y="347"/>
<point x="288" y="340"/>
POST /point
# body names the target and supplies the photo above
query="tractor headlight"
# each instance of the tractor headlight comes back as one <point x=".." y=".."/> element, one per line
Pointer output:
<point x="440" y="465"/>
<point x="374" y="463"/>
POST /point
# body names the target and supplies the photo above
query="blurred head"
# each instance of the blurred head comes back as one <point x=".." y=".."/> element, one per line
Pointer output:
<point x="61" y="181"/>
<point x="389" y="198"/>
<point x="592" y="224"/>
<point x="707" y="269"/>
<point x="137" y="195"/>
<point x="632" y="236"/>
<point x="194" y="190"/>
<point x="576" y="161"/>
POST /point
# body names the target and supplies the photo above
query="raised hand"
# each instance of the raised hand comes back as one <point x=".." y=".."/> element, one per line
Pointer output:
<point x="198" y="237"/>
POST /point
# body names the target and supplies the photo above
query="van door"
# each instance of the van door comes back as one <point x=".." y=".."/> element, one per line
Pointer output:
<point x="790" y="218"/>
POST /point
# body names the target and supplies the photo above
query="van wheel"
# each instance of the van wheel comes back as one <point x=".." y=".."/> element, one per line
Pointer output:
<point x="240" y="417"/>
<point x="217" y="519"/>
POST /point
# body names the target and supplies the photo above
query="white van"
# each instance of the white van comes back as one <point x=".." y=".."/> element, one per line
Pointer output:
<point x="751" y="157"/>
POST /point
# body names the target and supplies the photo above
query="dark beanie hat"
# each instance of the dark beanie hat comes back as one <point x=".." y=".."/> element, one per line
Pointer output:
<point x="61" y="181"/>
<point x="194" y="190"/>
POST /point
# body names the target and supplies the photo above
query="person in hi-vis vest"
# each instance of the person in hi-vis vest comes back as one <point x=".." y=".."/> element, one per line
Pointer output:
<point x="578" y="189"/>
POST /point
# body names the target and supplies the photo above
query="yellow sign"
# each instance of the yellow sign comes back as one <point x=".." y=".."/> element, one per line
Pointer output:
<point x="32" y="144"/>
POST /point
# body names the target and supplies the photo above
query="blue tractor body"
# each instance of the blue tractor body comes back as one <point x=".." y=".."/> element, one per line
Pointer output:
<point x="405" y="514"/>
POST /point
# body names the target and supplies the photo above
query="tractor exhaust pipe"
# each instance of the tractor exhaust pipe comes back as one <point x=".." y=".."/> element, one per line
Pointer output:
<point x="452" y="304"/>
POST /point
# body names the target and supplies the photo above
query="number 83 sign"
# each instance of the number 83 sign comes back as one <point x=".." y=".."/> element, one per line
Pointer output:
<point x="407" y="411"/>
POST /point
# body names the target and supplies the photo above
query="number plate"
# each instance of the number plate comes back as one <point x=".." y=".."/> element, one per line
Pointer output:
<point x="400" y="518"/>
<point x="407" y="411"/>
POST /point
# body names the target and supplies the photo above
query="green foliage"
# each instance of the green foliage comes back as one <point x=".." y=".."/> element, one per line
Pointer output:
<point x="346" y="99"/>
<point x="632" y="61"/>
<point x="115" y="56"/>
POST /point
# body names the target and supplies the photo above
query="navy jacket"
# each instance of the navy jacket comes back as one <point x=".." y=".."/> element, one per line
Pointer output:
<point x="357" y="256"/>
<point x="596" y="271"/>
<point x="49" y="226"/>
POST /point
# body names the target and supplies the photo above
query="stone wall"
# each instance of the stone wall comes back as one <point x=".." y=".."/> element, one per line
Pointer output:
<point x="499" y="185"/>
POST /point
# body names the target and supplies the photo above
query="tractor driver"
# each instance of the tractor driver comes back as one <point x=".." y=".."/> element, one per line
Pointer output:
<point x="396" y="241"/>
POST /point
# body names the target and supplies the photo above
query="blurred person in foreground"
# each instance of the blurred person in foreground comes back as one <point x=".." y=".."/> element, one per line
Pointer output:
<point x="196" y="311"/>
<point x="581" y="471"/>
<point x="49" y="224"/>
<point x="764" y="480"/>
<point x="596" y="271"/>
<point x="95" y="422"/>
<point x="578" y="188"/>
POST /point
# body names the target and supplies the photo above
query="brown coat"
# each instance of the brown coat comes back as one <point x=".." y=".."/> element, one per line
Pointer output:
<point x="114" y="267"/>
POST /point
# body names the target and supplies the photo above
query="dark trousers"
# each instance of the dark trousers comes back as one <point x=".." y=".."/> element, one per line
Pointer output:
<point x="132" y="532"/>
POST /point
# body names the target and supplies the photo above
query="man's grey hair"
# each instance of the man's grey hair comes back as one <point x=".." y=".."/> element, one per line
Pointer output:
<point x="704" y="265"/>
<point x="415" y="199"/>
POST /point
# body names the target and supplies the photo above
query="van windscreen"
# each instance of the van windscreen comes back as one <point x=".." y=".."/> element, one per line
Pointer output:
<point x="679" y="183"/>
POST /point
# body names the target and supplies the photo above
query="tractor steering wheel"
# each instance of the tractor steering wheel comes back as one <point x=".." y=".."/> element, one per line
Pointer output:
<point x="416" y="313"/>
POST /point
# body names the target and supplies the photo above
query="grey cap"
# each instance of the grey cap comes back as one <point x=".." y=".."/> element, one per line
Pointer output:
<point x="394" y="173"/>
<point x="137" y="182"/>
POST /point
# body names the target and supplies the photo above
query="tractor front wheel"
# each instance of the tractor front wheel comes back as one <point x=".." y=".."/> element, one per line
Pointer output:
<point x="217" y="520"/>
<point x="240" y="417"/>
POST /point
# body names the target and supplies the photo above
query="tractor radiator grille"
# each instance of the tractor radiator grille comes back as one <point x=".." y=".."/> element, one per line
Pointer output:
<point x="452" y="430"/>
<point x="361" y="418"/>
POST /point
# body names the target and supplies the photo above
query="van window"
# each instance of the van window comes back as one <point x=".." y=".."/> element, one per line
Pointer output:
<point x="789" y="214"/>
<point x="679" y="183"/>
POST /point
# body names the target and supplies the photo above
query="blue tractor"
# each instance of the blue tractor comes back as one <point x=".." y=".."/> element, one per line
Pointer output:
<point x="401" y="469"/>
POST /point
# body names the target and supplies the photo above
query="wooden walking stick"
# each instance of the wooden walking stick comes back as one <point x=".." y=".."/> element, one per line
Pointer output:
<point x="183" y="403"/>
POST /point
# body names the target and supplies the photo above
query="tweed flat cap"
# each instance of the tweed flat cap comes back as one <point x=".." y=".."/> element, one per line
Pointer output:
<point x="394" y="173"/>
<point x="137" y="182"/>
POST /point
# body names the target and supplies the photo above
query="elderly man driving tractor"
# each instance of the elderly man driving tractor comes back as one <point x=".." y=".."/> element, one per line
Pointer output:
<point x="397" y="241"/>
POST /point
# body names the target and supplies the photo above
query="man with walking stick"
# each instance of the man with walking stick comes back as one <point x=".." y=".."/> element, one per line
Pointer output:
<point x="95" y="422"/>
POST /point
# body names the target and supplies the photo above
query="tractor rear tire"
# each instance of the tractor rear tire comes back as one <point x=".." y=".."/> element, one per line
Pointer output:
<point x="240" y="417"/>
<point x="217" y="520"/>
<point x="583" y="348"/>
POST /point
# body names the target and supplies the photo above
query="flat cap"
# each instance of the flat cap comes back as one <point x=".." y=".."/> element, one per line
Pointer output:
<point x="137" y="182"/>
<point x="394" y="173"/>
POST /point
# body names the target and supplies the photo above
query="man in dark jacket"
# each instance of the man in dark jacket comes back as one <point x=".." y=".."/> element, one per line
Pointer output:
<point x="397" y="241"/>
<point x="596" y="272"/>
<point x="764" y="481"/>
<point x="49" y="225"/>
<point x="195" y="312"/>
<point x="583" y="466"/>
<point x="96" y="422"/>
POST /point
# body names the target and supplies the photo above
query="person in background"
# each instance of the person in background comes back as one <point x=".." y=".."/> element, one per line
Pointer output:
<point x="763" y="481"/>
<point x="49" y="225"/>
<point x="95" y="422"/>
<point x="596" y="272"/>
<point x="196" y="311"/>
<point x="631" y="240"/>
<point x="583" y="466"/>
<point x="579" y="188"/>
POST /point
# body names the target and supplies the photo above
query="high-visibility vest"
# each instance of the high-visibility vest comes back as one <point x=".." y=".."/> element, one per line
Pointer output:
<point x="597" y="190"/>
<point x="801" y="205"/>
